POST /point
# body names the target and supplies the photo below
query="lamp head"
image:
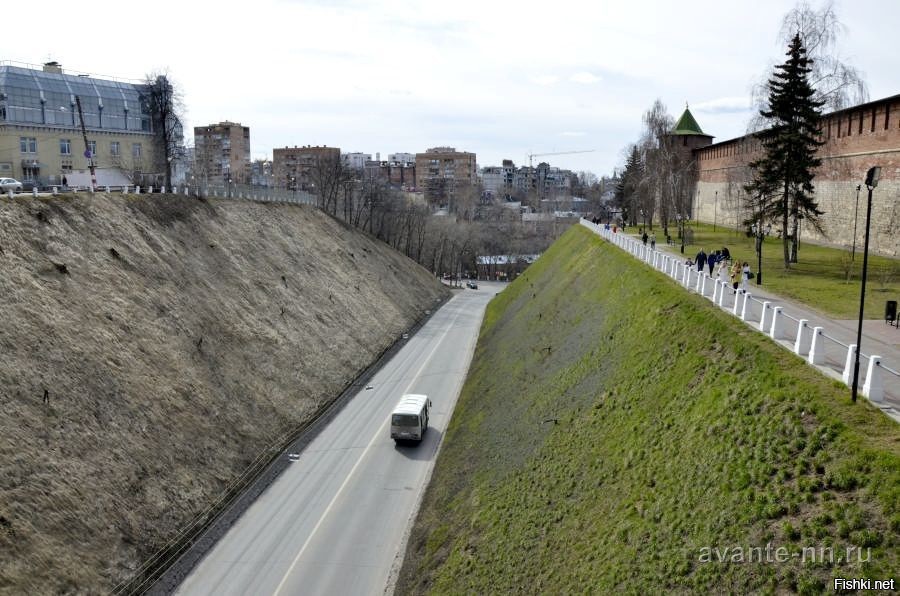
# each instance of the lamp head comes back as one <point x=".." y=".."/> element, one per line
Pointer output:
<point x="872" y="176"/>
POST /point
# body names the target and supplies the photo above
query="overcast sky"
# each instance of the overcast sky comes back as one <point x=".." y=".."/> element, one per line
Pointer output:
<point x="501" y="79"/>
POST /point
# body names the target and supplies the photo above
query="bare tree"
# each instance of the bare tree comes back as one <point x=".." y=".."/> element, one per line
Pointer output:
<point x="165" y="104"/>
<point x="837" y="83"/>
<point x="328" y="177"/>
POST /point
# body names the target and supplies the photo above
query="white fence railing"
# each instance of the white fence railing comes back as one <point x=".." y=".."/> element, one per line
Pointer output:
<point x="811" y="343"/>
<point x="249" y="193"/>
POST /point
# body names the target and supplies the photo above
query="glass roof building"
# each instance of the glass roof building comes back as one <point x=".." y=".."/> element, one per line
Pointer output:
<point x="40" y="129"/>
<point x="47" y="97"/>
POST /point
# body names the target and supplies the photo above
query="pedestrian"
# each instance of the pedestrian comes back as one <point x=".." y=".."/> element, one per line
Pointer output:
<point x="65" y="181"/>
<point x="644" y="238"/>
<point x="711" y="261"/>
<point x="722" y="270"/>
<point x="653" y="241"/>
<point x="745" y="275"/>
<point x="700" y="259"/>
<point x="737" y="272"/>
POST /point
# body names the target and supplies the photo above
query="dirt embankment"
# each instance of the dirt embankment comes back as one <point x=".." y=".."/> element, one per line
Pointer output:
<point x="151" y="348"/>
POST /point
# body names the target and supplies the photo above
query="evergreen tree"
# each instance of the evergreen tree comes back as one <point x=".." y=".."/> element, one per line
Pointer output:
<point x="628" y="190"/>
<point x="782" y="186"/>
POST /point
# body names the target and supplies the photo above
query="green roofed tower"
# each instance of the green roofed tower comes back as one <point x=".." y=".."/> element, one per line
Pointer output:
<point x="689" y="133"/>
<point x="687" y="125"/>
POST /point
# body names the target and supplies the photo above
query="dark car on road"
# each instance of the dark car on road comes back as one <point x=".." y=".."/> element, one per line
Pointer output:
<point x="471" y="284"/>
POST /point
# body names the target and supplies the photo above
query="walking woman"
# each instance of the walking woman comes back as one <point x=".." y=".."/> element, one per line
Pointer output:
<point x="737" y="272"/>
<point x="745" y="275"/>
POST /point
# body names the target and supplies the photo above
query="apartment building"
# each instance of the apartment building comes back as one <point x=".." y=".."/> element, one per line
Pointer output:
<point x="442" y="171"/>
<point x="222" y="153"/>
<point x="294" y="167"/>
<point x="41" y="138"/>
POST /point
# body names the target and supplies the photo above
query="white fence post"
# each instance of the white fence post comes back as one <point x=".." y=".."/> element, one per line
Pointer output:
<point x="816" y="348"/>
<point x="744" y="306"/>
<point x="703" y="284"/>
<point x="137" y="190"/>
<point x="734" y="307"/>
<point x="764" y="316"/>
<point x="55" y="190"/>
<point x="776" y="331"/>
<point x="847" y="376"/>
<point x="798" y="343"/>
<point x="722" y="291"/>
<point x="873" y="387"/>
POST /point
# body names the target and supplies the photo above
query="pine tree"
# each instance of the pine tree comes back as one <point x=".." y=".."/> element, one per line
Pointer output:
<point x="782" y="187"/>
<point x="628" y="190"/>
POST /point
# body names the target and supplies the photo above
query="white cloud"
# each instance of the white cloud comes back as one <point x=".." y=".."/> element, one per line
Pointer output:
<point x="585" y="78"/>
<point x="723" y="104"/>
<point x="573" y="134"/>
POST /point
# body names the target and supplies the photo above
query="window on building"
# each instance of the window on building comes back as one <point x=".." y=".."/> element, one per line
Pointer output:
<point x="92" y="147"/>
<point x="28" y="144"/>
<point x="136" y="150"/>
<point x="29" y="174"/>
<point x="65" y="147"/>
<point x="114" y="148"/>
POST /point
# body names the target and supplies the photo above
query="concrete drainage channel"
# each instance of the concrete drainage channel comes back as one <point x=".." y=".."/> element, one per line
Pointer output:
<point x="165" y="571"/>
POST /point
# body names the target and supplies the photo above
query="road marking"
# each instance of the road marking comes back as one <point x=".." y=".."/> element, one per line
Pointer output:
<point x="378" y="434"/>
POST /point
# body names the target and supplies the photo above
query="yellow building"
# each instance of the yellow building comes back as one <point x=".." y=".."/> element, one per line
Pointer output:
<point x="40" y="128"/>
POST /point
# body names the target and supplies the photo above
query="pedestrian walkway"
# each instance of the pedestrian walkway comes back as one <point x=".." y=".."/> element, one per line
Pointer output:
<point x="825" y="343"/>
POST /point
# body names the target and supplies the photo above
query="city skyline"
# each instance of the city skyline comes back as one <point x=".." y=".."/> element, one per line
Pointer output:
<point x="501" y="81"/>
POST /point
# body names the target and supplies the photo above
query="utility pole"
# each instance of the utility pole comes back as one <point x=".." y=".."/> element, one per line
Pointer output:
<point x="87" y="150"/>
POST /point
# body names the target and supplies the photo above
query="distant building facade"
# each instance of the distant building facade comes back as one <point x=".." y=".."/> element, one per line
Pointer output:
<point x="355" y="161"/>
<point x="222" y="153"/>
<point x="294" y="166"/>
<point x="262" y="173"/>
<point x="402" y="158"/>
<point x="40" y="129"/>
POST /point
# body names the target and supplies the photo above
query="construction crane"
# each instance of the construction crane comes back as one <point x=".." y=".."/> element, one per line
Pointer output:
<point x="532" y="155"/>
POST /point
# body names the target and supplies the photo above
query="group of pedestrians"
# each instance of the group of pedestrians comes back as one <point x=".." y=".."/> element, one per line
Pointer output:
<point x="738" y="272"/>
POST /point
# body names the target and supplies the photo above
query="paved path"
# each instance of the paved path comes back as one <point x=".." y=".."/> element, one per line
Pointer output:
<point x="878" y="338"/>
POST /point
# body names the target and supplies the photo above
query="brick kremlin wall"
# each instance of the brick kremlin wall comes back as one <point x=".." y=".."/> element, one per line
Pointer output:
<point x="856" y="139"/>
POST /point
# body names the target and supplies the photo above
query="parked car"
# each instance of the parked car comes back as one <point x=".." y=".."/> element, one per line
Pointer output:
<point x="472" y="285"/>
<point x="7" y="184"/>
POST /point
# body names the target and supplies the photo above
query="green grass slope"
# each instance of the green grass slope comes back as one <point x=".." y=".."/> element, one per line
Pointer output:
<point x="614" y="425"/>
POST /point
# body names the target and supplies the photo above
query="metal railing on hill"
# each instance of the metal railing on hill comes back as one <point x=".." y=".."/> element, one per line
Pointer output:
<point x="232" y="191"/>
<point x="812" y="343"/>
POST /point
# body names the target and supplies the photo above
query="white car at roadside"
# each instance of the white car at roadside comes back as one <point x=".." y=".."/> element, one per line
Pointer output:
<point x="8" y="184"/>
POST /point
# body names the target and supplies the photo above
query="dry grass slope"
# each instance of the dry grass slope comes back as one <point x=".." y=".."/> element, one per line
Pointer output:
<point x="613" y="425"/>
<point x="175" y="340"/>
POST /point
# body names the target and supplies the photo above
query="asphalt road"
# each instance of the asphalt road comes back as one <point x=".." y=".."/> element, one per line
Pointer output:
<point x="335" y="521"/>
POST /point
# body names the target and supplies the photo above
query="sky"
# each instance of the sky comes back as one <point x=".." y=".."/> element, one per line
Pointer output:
<point x="500" y="79"/>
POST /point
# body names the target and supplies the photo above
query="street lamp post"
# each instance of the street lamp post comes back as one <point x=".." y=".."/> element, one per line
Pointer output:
<point x="715" y="210"/>
<point x="855" y="213"/>
<point x="872" y="177"/>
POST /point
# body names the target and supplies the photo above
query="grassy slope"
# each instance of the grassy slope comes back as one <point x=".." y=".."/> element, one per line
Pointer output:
<point x="145" y="424"/>
<point x="819" y="279"/>
<point x="678" y="428"/>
